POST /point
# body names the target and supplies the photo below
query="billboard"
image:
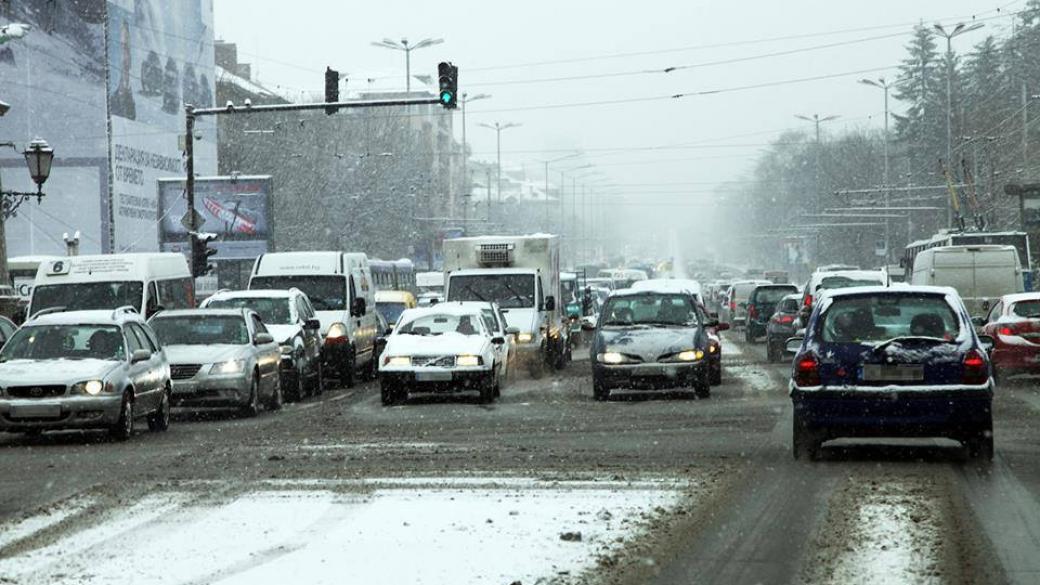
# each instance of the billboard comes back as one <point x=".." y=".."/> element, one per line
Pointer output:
<point x="237" y="209"/>
<point x="160" y="56"/>
<point x="54" y="80"/>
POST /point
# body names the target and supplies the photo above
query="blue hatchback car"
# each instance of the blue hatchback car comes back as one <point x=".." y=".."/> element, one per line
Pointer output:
<point x="891" y="362"/>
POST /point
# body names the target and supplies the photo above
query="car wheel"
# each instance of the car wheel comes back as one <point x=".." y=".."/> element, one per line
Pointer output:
<point x="317" y="385"/>
<point x="600" y="391"/>
<point x="124" y="427"/>
<point x="277" y="399"/>
<point x="391" y="394"/>
<point x="715" y="377"/>
<point x="159" y="420"/>
<point x="702" y="386"/>
<point x="347" y="369"/>
<point x="805" y="442"/>
<point x="772" y="351"/>
<point x="498" y="385"/>
<point x="980" y="446"/>
<point x="252" y="408"/>
<point x="748" y="337"/>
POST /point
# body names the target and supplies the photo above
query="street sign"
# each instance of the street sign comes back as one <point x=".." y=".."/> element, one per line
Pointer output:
<point x="186" y="220"/>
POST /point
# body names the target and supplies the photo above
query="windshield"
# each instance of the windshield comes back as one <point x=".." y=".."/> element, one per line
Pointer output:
<point x="72" y="342"/>
<point x="650" y="309"/>
<point x="1029" y="309"/>
<point x="790" y="306"/>
<point x="272" y="311"/>
<point x="391" y="311"/>
<point x="201" y="330"/>
<point x="82" y="296"/>
<point x="439" y="324"/>
<point x="327" y="293"/>
<point x="883" y="317"/>
<point x="510" y="291"/>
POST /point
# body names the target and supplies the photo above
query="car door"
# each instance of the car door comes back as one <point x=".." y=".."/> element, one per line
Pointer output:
<point x="268" y="355"/>
<point x="156" y="364"/>
<point x="140" y="374"/>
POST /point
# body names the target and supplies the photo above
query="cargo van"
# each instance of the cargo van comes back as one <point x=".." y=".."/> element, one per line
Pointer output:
<point x="147" y="282"/>
<point x="980" y="274"/>
<point x="340" y="287"/>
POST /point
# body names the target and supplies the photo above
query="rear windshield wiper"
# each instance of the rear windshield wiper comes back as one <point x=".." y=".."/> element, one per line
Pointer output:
<point x="889" y="342"/>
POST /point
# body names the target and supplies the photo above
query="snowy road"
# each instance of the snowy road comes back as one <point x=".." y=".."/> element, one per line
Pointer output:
<point x="544" y="486"/>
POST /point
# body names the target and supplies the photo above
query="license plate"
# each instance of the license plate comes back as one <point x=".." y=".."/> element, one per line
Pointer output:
<point x="433" y="376"/>
<point x="36" y="411"/>
<point x="650" y="371"/>
<point x="895" y="373"/>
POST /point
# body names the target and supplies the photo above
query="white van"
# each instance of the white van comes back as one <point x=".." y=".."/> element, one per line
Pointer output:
<point x="147" y="282"/>
<point x="22" y="270"/>
<point x="980" y="274"/>
<point x="341" y="289"/>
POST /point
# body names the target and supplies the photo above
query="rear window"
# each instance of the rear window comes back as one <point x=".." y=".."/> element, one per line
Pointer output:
<point x="836" y="282"/>
<point x="870" y="319"/>
<point x="772" y="294"/>
<point x="1029" y="309"/>
<point x="790" y="306"/>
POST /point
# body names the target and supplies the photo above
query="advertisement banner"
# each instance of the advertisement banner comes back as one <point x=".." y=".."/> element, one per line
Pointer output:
<point x="237" y="209"/>
<point x="160" y="56"/>
<point x="53" y="78"/>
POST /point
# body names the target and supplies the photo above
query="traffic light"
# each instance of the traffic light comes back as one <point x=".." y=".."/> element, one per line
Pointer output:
<point x="448" y="76"/>
<point x="200" y="253"/>
<point x="331" y="89"/>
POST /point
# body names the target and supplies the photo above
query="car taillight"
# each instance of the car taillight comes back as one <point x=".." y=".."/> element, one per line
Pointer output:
<point x="807" y="371"/>
<point x="975" y="368"/>
<point x="807" y="301"/>
<point x="1005" y="331"/>
<point x="785" y="319"/>
<point x="732" y="306"/>
<point x="752" y="312"/>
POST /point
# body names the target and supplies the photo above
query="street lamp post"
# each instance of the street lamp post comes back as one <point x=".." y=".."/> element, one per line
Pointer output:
<point x="885" y="86"/>
<point x="960" y="29"/>
<point x="498" y="128"/>
<point x="407" y="49"/>
<point x="38" y="157"/>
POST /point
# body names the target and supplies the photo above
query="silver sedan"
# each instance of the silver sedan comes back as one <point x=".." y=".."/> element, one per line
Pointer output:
<point x="221" y="358"/>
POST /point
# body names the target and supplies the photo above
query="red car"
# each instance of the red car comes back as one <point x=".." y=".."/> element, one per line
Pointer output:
<point x="1014" y="324"/>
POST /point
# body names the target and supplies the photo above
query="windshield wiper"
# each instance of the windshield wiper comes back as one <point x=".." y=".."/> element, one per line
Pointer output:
<point x="889" y="342"/>
<point x="469" y="288"/>
<point x="515" y="294"/>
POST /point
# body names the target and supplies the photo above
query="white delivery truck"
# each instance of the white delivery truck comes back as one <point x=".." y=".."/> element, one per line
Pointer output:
<point x="522" y="275"/>
<point x="980" y="274"/>
<point x="342" y="292"/>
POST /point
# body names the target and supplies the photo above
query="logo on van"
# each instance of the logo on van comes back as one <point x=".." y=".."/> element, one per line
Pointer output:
<point x="59" y="267"/>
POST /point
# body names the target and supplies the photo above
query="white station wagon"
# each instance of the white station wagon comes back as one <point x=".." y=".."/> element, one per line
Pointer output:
<point x="445" y="348"/>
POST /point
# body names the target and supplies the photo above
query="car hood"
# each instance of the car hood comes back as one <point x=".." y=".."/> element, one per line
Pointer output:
<point x="203" y="354"/>
<point x="44" y="372"/>
<point x="649" y="343"/>
<point x="444" y="344"/>
<point x="526" y="320"/>
<point x="283" y="334"/>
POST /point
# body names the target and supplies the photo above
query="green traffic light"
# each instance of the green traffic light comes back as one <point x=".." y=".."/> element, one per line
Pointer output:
<point x="446" y="97"/>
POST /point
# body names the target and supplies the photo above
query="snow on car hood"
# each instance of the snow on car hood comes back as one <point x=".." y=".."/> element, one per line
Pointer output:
<point x="450" y="343"/>
<point x="46" y="372"/>
<point x="283" y="334"/>
<point x="648" y="343"/>
<point x="203" y="354"/>
<point x="526" y="320"/>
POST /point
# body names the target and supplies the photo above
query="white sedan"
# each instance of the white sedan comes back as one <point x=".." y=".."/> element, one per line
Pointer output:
<point x="448" y="347"/>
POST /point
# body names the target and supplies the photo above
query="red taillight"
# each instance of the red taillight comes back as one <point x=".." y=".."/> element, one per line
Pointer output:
<point x="807" y="301"/>
<point x="976" y="370"/>
<point x="752" y="312"/>
<point x="807" y="371"/>
<point x="1006" y="331"/>
<point x="732" y="306"/>
<point x="786" y="319"/>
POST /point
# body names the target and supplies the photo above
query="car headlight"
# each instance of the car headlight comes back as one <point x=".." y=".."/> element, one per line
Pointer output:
<point x="337" y="333"/>
<point x="397" y="360"/>
<point x="469" y="361"/>
<point x="690" y="355"/>
<point x="613" y="357"/>
<point x="228" y="367"/>
<point x="90" y="387"/>
<point x="525" y="337"/>
<point x="287" y="349"/>
<point x="713" y="348"/>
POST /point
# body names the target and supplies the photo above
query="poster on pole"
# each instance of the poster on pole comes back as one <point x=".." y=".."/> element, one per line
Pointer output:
<point x="236" y="208"/>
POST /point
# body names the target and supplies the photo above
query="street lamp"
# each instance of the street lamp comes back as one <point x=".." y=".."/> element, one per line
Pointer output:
<point x="498" y="128"/>
<point x="884" y="85"/>
<point x="407" y="48"/>
<point x="958" y="30"/>
<point x="38" y="156"/>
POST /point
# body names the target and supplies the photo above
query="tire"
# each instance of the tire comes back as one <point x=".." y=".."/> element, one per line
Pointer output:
<point x="498" y="385"/>
<point x="293" y="387"/>
<point x="347" y="370"/>
<point x="487" y="389"/>
<point x="715" y="374"/>
<point x="559" y="361"/>
<point x="391" y="394"/>
<point x="702" y="386"/>
<point x="600" y="391"/>
<point x="772" y="352"/>
<point x="748" y="337"/>
<point x="159" y="420"/>
<point x="252" y="408"/>
<point x="317" y="385"/>
<point x="276" y="400"/>
<point x="805" y="443"/>
<point x="124" y="427"/>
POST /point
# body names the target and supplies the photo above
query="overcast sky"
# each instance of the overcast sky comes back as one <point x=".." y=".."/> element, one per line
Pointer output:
<point x="498" y="43"/>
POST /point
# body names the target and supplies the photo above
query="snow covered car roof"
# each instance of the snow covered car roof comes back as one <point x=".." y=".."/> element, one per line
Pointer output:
<point x="96" y="317"/>
<point x="255" y="294"/>
<point x="1018" y="297"/>
<point x="444" y="308"/>
<point x="669" y="285"/>
<point x="203" y="313"/>
<point x="873" y="290"/>
<point x="496" y="270"/>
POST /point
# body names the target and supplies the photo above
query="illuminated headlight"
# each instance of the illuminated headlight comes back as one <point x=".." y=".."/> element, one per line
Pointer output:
<point x="613" y="357"/>
<point x="713" y="348"/>
<point x="690" y="355"/>
<point x="91" y="387"/>
<point x="397" y="360"/>
<point x="229" y="367"/>
<point x="469" y="361"/>
<point x="525" y="337"/>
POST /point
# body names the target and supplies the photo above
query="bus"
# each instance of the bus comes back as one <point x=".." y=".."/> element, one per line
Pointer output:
<point x="393" y="274"/>
<point x="944" y="238"/>
<point x="22" y="270"/>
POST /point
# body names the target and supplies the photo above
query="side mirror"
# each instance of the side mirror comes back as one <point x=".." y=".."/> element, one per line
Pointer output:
<point x="498" y="340"/>
<point x="140" y="355"/>
<point x="262" y="339"/>
<point x="722" y="327"/>
<point x="978" y="321"/>
<point x="512" y="330"/>
<point x="550" y="303"/>
<point x="154" y="311"/>
<point x="987" y="343"/>
<point x="312" y="324"/>
<point x="793" y="344"/>
<point x="388" y="331"/>
<point x="358" y="308"/>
